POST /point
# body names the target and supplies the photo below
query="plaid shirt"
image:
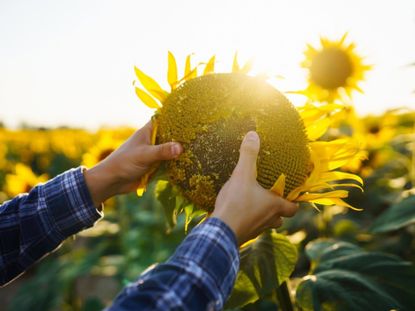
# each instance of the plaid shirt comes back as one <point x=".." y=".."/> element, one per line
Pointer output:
<point x="199" y="276"/>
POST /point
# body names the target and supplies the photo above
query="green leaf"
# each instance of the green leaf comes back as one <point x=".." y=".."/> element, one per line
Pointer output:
<point x="265" y="264"/>
<point x="396" y="217"/>
<point x="350" y="278"/>
<point x="327" y="249"/>
<point x="165" y="194"/>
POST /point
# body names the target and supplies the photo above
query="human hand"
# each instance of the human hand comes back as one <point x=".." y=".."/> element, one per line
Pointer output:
<point x="244" y="205"/>
<point x="122" y="170"/>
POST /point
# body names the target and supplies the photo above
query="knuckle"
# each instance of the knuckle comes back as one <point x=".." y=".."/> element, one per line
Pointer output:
<point x="290" y="209"/>
<point x="249" y="148"/>
<point x="164" y="151"/>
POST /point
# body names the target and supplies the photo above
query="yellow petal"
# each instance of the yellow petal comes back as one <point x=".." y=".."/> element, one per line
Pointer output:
<point x="140" y="191"/>
<point x="323" y="195"/>
<point x="154" y="131"/>
<point x="189" y="73"/>
<point x="172" y="70"/>
<point x="247" y="67"/>
<point x="146" y="98"/>
<point x="336" y="175"/>
<point x="210" y="66"/>
<point x="187" y="67"/>
<point x="235" y="64"/>
<point x="317" y="129"/>
<point x="335" y="201"/>
<point x="150" y="85"/>
<point x="279" y="186"/>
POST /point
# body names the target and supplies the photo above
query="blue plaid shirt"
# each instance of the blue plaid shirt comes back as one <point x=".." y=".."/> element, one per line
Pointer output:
<point x="199" y="276"/>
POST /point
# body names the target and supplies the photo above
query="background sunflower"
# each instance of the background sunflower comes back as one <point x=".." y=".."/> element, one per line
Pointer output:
<point x="334" y="70"/>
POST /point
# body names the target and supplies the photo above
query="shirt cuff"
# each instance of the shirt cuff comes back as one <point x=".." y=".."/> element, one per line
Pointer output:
<point x="69" y="204"/>
<point x="210" y="253"/>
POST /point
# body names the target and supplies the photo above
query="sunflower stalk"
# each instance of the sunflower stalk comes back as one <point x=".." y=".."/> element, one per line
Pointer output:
<point x="412" y="174"/>
<point x="281" y="291"/>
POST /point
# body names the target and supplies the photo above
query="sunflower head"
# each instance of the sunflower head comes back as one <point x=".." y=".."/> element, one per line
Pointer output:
<point x="334" y="70"/>
<point x="211" y="113"/>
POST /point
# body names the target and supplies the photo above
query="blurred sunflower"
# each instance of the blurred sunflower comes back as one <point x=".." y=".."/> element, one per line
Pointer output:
<point x="334" y="70"/>
<point x="209" y="113"/>
<point x="106" y="142"/>
<point x="22" y="180"/>
<point x="3" y="153"/>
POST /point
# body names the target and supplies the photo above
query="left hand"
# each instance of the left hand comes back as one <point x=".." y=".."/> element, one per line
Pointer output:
<point x="123" y="169"/>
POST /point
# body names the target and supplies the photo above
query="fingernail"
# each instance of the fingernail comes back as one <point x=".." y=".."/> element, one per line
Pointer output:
<point x="175" y="149"/>
<point x="251" y="135"/>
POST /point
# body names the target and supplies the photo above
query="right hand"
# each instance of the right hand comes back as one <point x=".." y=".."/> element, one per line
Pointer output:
<point x="244" y="205"/>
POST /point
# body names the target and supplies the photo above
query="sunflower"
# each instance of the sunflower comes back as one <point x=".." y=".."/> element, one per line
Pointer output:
<point x="22" y="180"/>
<point x="107" y="142"/>
<point x="209" y="113"/>
<point x="334" y="70"/>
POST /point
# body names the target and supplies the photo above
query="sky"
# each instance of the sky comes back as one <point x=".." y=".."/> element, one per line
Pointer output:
<point x="70" y="62"/>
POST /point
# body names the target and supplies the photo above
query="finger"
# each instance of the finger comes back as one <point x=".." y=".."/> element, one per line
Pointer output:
<point x="288" y="209"/>
<point x="277" y="222"/>
<point x="248" y="154"/>
<point x="282" y="207"/>
<point x="167" y="151"/>
<point x="142" y="135"/>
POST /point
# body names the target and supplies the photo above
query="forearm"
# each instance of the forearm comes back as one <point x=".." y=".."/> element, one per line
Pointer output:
<point x="199" y="275"/>
<point x="34" y="224"/>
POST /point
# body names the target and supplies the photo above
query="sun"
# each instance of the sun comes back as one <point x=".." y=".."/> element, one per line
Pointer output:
<point x="334" y="70"/>
<point x="323" y="184"/>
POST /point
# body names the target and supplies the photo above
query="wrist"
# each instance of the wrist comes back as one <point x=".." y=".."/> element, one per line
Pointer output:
<point x="231" y="223"/>
<point x="101" y="183"/>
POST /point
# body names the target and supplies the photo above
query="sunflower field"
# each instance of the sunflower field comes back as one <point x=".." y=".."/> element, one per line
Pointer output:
<point x="351" y="245"/>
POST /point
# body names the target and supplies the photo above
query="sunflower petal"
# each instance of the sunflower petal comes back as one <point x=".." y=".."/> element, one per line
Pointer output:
<point x="150" y="85"/>
<point x="247" y="67"/>
<point x="235" y="64"/>
<point x="187" y="67"/>
<point x="189" y="73"/>
<point x="140" y="191"/>
<point x="336" y="175"/>
<point x="210" y="66"/>
<point x="172" y="70"/>
<point x="146" y="98"/>
<point x="323" y="195"/>
<point x="279" y="186"/>
<point x="154" y="131"/>
<point x="317" y="129"/>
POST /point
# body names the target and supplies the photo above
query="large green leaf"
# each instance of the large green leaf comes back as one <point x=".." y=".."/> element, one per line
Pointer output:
<point x="265" y="264"/>
<point x="396" y="217"/>
<point x="165" y="194"/>
<point x="348" y="278"/>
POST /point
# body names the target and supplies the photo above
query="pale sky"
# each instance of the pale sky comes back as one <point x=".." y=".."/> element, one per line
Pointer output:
<point x="70" y="62"/>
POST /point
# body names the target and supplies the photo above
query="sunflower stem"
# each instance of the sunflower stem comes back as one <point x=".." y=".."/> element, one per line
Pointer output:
<point x="413" y="162"/>
<point x="283" y="296"/>
<point x="281" y="292"/>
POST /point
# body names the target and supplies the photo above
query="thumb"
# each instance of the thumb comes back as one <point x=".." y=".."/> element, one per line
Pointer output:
<point x="248" y="154"/>
<point x="167" y="151"/>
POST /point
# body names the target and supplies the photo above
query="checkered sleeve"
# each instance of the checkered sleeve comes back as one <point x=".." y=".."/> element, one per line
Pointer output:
<point x="199" y="276"/>
<point x="36" y="223"/>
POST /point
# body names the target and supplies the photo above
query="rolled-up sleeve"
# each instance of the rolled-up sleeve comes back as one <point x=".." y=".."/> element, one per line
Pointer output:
<point x="36" y="223"/>
<point x="199" y="276"/>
